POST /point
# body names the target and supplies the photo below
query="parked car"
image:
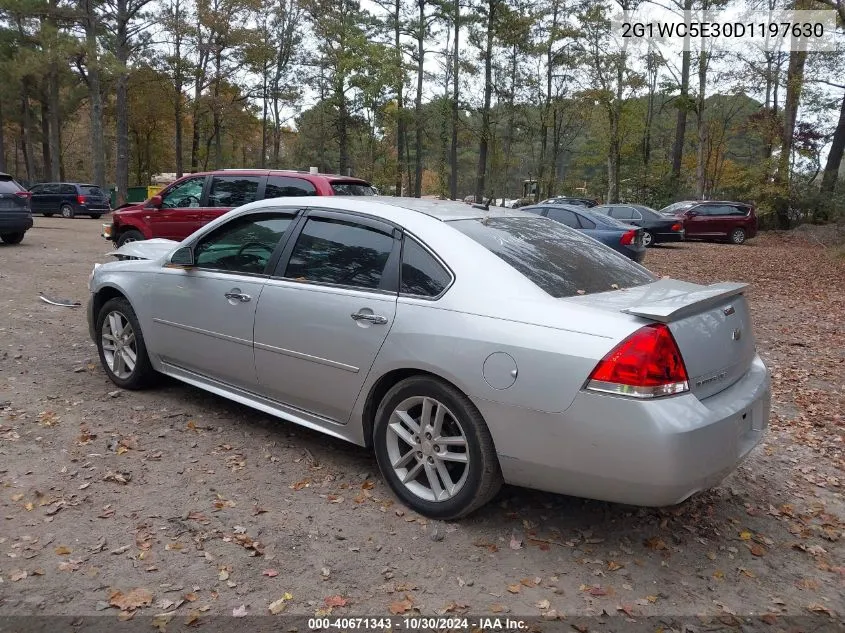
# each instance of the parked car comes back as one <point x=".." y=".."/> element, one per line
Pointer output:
<point x="623" y="238"/>
<point x="436" y="326"/>
<point x="197" y="199"/>
<point x="715" y="219"/>
<point x="657" y="228"/>
<point x="574" y="202"/>
<point x="15" y="212"/>
<point x="69" y="199"/>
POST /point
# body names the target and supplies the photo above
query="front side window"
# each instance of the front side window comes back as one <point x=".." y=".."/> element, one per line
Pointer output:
<point x="283" y="186"/>
<point x="232" y="191"/>
<point x="243" y="245"/>
<point x="422" y="274"/>
<point x="560" y="262"/>
<point x="341" y="253"/>
<point x="184" y="195"/>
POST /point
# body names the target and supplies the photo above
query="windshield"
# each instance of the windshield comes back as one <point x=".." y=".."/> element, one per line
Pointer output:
<point x="674" y="208"/>
<point x="557" y="259"/>
<point x="341" y="188"/>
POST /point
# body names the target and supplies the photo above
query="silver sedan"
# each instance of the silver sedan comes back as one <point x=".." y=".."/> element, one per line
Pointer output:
<point x="467" y="347"/>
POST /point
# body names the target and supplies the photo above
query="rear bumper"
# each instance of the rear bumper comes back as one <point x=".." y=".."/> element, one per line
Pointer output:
<point x="654" y="453"/>
<point x="15" y="223"/>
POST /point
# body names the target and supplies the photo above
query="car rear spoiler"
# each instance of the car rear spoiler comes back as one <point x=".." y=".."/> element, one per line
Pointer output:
<point x="688" y="303"/>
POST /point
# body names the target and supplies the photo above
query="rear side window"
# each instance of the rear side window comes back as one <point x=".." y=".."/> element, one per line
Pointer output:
<point x="586" y="223"/>
<point x="90" y="190"/>
<point x="8" y="185"/>
<point x="340" y="253"/>
<point x="564" y="216"/>
<point x="422" y="274"/>
<point x="622" y="213"/>
<point x="68" y="189"/>
<point x="341" y="188"/>
<point x="282" y="186"/>
<point x="558" y="260"/>
<point x="232" y="191"/>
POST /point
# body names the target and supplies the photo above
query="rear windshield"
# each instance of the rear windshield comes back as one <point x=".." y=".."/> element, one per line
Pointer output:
<point x="341" y="188"/>
<point x="91" y="190"/>
<point x="559" y="260"/>
<point x="8" y="185"/>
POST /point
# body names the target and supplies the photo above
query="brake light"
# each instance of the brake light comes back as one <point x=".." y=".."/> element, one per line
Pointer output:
<point x="628" y="238"/>
<point x="80" y="199"/>
<point x="677" y="226"/>
<point x="26" y="195"/>
<point x="647" y="364"/>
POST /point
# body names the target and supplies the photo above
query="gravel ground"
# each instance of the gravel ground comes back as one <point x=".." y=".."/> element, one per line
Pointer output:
<point x="131" y="504"/>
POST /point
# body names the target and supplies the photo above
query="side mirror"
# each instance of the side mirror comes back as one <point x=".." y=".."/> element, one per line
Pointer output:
<point x="154" y="202"/>
<point x="183" y="257"/>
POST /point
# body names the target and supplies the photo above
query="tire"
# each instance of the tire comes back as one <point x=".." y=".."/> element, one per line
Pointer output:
<point x="95" y="216"/>
<point x="132" y="235"/>
<point x="12" y="238"/>
<point x="737" y="236"/>
<point x="474" y="482"/>
<point x="648" y="239"/>
<point x="67" y="211"/>
<point x="48" y="215"/>
<point x="116" y="313"/>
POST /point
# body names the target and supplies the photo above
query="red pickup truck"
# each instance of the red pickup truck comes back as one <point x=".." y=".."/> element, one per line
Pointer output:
<point x="196" y="199"/>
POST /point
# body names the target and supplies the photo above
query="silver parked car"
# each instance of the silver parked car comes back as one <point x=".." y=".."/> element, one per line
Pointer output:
<point x="467" y="347"/>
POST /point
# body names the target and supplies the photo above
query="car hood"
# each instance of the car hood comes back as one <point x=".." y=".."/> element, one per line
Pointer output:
<point x="146" y="249"/>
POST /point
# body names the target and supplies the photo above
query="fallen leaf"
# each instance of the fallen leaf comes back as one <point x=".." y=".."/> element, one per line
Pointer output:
<point x="279" y="605"/>
<point x="514" y="588"/>
<point x="757" y="549"/>
<point x="174" y="546"/>
<point x="270" y="573"/>
<point x="239" y="612"/>
<point x="17" y="574"/>
<point x="17" y="497"/>
<point x="223" y="575"/>
<point x="29" y="506"/>
<point x="402" y="606"/>
<point x="334" y="499"/>
<point x="62" y="550"/>
<point x="655" y="543"/>
<point x="612" y="565"/>
<point x="299" y="485"/>
<point x="817" y="607"/>
<point x="529" y="582"/>
<point x="335" y="601"/>
<point x="497" y="607"/>
<point x="542" y="604"/>
<point x="368" y="485"/>
<point x="745" y="535"/>
<point x="134" y="599"/>
<point x="190" y="597"/>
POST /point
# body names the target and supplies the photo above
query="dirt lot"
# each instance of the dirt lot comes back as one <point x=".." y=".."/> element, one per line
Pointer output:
<point x="190" y="505"/>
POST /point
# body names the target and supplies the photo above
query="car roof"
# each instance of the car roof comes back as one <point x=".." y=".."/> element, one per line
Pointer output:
<point x="445" y="210"/>
<point x="281" y="172"/>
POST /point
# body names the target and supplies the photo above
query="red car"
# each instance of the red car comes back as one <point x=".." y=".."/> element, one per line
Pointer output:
<point x="196" y="199"/>
<point x="715" y="219"/>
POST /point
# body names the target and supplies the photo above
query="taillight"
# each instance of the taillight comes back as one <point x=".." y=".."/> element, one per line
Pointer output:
<point x="628" y="238"/>
<point x="677" y="226"/>
<point x="647" y="364"/>
<point x="26" y="195"/>
<point x="80" y="199"/>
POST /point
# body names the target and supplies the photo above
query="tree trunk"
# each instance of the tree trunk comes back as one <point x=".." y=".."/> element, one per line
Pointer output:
<point x="122" y="102"/>
<point x="453" y="149"/>
<point x="615" y="149"/>
<point x="95" y="97"/>
<point x="834" y="158"/>
<point x="55" y="123"/>
<point x="215" y="112"/>
<point x="681" y="121"/>
<point x="2" y="140"/>
<point x="418" y="104"/>
<point x="178" y="85"/>
<point x="400" y="106"/>
<point x="263" y="163"/>
<point x="701" y="163"/>
<point x="481" y="174"/>
<point x="342" y="132"/>
<point x="26" y="139"/>
<point x="794" y="84"/>
<point x="46" y="154"/>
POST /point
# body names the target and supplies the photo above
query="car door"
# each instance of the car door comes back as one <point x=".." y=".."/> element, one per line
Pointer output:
<point x="229" y="191"/>
<point x="181" y="210"/>
<point x="51" y="198"/>
<point x="326" y="311"/>
<point x="203" y="316"/>
<point x="697" y="221"/>
<point x="37" y="200"/>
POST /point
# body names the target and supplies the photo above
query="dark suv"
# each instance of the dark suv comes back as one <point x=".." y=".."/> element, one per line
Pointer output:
<point x="715" y="219"/>
<point x="70" y="199"/>
<point x="197" y="199"/>
<point x="15" y="214"/>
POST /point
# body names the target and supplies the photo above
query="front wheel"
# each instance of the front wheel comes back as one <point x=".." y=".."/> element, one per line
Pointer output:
<point x="737" y="236"/>
<point x="648" y="240"/>
<point x="12" y="238"/>
<point x="120" y="343"/>
<point x="434" y="449"/>
<point x="132" y="235"/>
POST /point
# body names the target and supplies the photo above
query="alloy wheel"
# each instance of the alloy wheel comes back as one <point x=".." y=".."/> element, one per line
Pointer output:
<point x="647" y="239"/>
<point x="119" y="345"/>
<point x="427" y="448"/>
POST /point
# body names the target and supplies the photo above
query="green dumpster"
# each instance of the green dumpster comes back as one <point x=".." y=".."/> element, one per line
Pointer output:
<point x="133" y="194"/>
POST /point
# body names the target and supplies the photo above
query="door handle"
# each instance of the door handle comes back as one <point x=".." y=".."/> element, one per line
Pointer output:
<point x="377" y="319"/>
<point x="238" y="296"/>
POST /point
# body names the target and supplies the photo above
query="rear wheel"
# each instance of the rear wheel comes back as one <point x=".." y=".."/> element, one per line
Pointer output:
<point x="132" y="235"/>
<point x="120" y="343"/>
<point x="434" y="449"/>
<point x="737" y="236"/>
<point x="67" y="211"/>
<point x="648" y="240"/>
<point x="12" y="238"/>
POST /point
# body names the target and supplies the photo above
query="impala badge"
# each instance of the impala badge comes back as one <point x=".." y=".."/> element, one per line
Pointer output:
<point x="737" y="334"/>
<point x="728" y="311"/>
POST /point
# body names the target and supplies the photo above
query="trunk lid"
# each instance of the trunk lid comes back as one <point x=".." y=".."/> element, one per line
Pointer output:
<point x="711" y="325"/>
